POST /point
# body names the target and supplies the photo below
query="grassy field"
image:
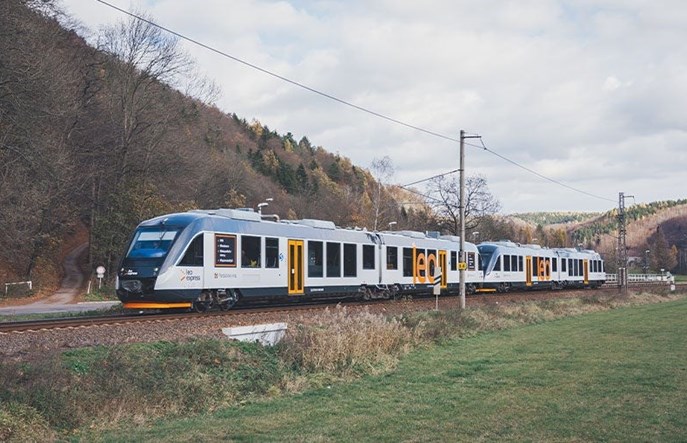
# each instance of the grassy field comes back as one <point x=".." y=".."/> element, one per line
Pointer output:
<point x="619" y="375"/>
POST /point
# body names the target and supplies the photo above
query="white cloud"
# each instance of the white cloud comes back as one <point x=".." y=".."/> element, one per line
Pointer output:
<point x="591" y="93"/>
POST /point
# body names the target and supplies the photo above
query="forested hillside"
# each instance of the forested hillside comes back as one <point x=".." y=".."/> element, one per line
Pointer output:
<point x="658" y="227"/>
<point x="95" y="140"/>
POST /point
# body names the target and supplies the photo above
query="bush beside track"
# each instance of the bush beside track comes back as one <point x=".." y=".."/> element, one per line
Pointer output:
<point x="63" y="394"/>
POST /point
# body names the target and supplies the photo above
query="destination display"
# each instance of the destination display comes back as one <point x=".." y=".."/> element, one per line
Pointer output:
<point x="471" y="261"/>
<point x="225" y="251"/>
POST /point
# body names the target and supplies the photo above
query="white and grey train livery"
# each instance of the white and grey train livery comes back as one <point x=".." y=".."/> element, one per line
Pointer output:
<point x="507" y="265"/>
<point x="203" y="259"/>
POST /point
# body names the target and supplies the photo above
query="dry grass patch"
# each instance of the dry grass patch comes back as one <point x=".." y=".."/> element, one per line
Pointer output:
<point x="345" y="344"/>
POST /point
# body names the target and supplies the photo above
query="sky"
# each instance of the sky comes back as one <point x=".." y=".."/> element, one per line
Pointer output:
<point x="591" y="94"/>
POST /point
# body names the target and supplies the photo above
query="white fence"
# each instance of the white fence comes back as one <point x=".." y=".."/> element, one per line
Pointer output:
<point x="29" y="284"/>
<point x="642" y="278"/>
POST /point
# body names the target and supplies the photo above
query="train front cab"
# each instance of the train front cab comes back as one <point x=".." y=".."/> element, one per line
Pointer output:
<point x="144" y="261"/>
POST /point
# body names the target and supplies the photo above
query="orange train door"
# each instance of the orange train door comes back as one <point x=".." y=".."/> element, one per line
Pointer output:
<point x="528" y="271"/>
<point x="585" y="264"/>
<point x="295" y="266"/>
<point x="444" y="268"/>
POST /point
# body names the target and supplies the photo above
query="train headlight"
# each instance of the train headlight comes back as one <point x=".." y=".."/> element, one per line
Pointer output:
<point x="132" y="285"/>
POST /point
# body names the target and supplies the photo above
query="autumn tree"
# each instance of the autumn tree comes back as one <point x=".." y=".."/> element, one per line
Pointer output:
<point x="44" y="102"/>
<point x="662" y="256"/>
<point x="142" y="65"/>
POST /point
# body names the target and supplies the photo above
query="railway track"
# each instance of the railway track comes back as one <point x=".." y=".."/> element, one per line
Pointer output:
<point x="121" y="319"/>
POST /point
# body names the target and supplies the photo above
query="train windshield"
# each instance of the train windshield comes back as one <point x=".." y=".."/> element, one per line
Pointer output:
<point x="485" y="254"/>
<point x="151" y="243"/>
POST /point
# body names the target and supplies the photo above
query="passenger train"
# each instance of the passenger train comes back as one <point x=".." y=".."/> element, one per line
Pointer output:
<point x="205" y="259"/>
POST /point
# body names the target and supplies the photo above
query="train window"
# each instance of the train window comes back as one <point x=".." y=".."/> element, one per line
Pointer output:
<point x="580" y="266"/>
<point x="407" y="262"/>
<point x="391" y="257"/>
<point x="315" y="259"/>
<point x="535" y="266"/>
<point x="454" y="261"/>
<point x="333" y="259"/>
<point x="350" y="260"/>
<point x="271" y="252"/>
<point x="571" y="271"/>
<point x="506" y="263"/>
<point x="520" y="267"/>
<point x="563" y="262"/>
<point x="514" y="263"/>
<point x="497" y="265"/>
<point x="554" y="264"/>
<point x="194" y="253"/>
<point x="250" y="251"/>
<point x="368" y="256"/>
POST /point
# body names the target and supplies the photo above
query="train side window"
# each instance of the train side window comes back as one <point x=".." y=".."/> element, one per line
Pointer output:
<point x="506" y="263"/>
<point x="554" y="264"/>
<point x="333" y="259"/>
<point x="271" y="252"/>
<point x="497" y="265"/>
<point x="514" y="263"/>
<point x="407" y="262"/>
<point x="350" y="260"/>
<point x="391" y="257"/>
<point x="571" y="271"/>
<point x="194" y="253"/>
<point x="563" y="262"/>
<point x="520" y="267"/>
<point x="454" y="261"/>
<point x="535" y="266"/>
<point x="250" y="251"/>
<point x="368" y="256"/>
<point x="315" y="259"/>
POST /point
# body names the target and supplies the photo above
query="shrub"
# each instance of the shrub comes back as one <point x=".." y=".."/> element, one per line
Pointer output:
<point x="22" y="423"/>
<point x="346" y="344"/>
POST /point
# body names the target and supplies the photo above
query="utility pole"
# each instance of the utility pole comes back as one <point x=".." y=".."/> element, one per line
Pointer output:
<point x="622" y="245"/>
<point x="462" y="261"/>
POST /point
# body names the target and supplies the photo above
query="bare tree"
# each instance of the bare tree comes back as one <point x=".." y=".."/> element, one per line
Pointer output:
<point x="479" y="202"/>
<point x="382" y="170"/>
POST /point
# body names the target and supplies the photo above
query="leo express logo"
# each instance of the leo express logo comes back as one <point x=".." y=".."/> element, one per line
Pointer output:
<point x="187" y="275"/>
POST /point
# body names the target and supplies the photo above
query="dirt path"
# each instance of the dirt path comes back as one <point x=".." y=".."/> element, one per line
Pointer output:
<point x="71" y="283"/>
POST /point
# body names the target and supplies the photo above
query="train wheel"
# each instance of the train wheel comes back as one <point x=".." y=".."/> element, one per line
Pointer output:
<point x="229" y="301"/>
<point x="203" y="303"/>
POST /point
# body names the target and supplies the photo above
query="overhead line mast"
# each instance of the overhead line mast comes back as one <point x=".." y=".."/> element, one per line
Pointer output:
<point x="462" y="262"/>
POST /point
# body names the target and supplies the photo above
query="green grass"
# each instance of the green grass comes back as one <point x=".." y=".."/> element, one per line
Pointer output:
<point x="116" y="309"/>
<point x="619" y="375"/>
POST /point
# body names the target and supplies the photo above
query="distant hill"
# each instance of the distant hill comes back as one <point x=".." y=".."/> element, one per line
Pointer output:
<point x="555" y="218"/>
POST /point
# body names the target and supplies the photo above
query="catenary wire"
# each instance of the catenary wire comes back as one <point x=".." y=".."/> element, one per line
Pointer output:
<point x="347" y="103"/>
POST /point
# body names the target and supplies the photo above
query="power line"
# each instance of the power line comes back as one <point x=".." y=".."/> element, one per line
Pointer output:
<point x="346" y="103"/>
<point x="430" y="178"/>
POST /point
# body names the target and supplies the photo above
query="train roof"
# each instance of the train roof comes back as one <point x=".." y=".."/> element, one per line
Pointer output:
<point x="249" y="221"/>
